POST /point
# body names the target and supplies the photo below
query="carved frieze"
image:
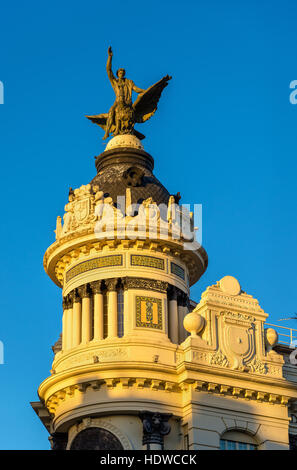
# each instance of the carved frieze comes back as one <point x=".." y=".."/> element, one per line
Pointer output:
<point x="95" y="263"/>
<point x="236" y="317"/>
<point x="146" y="284"/>
<point x="200" y="356"/>
<point x="147" y="261"/>
<point x="94" y="356"/>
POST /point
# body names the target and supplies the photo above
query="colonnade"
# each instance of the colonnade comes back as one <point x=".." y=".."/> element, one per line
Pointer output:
<point x="92" y="312"/>
<point x="86" y="310"/>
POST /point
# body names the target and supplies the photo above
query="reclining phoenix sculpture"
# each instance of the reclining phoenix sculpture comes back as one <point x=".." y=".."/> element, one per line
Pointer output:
<point x="123" y="114"/>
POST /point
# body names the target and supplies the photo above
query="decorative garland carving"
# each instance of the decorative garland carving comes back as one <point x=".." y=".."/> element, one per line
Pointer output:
<point x="219" y="359"/>
<point x="257" y="366"/>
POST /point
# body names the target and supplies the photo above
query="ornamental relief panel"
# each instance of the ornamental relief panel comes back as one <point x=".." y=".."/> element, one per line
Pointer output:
<point x="277" y="371"/>
<point x="92" y="357"/>
<point x="201" y="357"/>
<point x="148" y="312"/>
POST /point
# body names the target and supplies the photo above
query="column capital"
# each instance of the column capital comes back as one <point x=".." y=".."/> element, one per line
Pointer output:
<point x="70" y="298"/>
<point x="182" y="299"/>
<point x="155" y="427"/>
<point x="84" y="291"/>
<point x="172" y="292"/>
<point x="76" y="295"/>
<point x="96" y="287"/>
<point x="111" y="284"/>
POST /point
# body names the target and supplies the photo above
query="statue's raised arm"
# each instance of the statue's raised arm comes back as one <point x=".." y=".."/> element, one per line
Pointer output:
<point x="124" y="114"/>
<point x="109" y="66"/>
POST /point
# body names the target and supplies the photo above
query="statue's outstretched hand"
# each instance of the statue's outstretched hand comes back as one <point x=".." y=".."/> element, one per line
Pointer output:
<point x="110" y="51"/>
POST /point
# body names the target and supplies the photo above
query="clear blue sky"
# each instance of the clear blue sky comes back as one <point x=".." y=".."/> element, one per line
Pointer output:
<point x="224" y="136"/>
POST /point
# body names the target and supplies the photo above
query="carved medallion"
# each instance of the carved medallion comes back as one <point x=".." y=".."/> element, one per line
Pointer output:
<point x="237" y="338"/>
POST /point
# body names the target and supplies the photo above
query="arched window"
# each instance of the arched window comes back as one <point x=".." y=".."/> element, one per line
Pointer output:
<point x="96" y="439"/>
<point x="237" y="440"/>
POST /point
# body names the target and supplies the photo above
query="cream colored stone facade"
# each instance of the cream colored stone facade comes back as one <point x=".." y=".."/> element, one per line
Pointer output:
<point x="125" y="348"/>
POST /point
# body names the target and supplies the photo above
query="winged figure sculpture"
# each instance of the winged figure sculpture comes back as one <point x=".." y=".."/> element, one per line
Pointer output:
<point x="123" y="114"/>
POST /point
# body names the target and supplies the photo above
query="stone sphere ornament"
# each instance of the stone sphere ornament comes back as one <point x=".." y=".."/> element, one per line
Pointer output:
<point x="194" y="323"/>
<point x="271" y="338"/>
<point x="230" y="285"/>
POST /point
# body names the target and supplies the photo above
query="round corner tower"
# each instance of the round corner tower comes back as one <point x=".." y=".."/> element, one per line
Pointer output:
<point x="125" y="258"/>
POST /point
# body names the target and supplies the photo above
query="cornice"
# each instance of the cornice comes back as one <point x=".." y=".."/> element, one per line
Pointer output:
<point x="60" y="255"/>
<point x="186" y="386"/>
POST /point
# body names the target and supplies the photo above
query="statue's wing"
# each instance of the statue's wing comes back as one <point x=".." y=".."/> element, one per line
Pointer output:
<point x="146" y="103"/>
<point x="99" y="119"/>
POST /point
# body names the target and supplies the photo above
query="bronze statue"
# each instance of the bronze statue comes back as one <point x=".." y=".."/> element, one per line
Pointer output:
<point x="124" y="114"/>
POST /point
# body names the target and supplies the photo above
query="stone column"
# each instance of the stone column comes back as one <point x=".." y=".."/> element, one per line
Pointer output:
<point x="112" y="308"/>
<point x="76" y="330"/>
<point x="182" y="311"/>
<point x="173" y="315"/>
<point x="69" y="323"/>
<point x="127" y="318"/>
<point x="86" y="314"/>
<point x="64" y="323"/>
<point x="155" y="427"/>
<point x="186" y="311"/>
<point x="98" y="310"/>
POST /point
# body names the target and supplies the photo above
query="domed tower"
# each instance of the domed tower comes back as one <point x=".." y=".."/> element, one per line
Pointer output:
<point x="125" y="258"/>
